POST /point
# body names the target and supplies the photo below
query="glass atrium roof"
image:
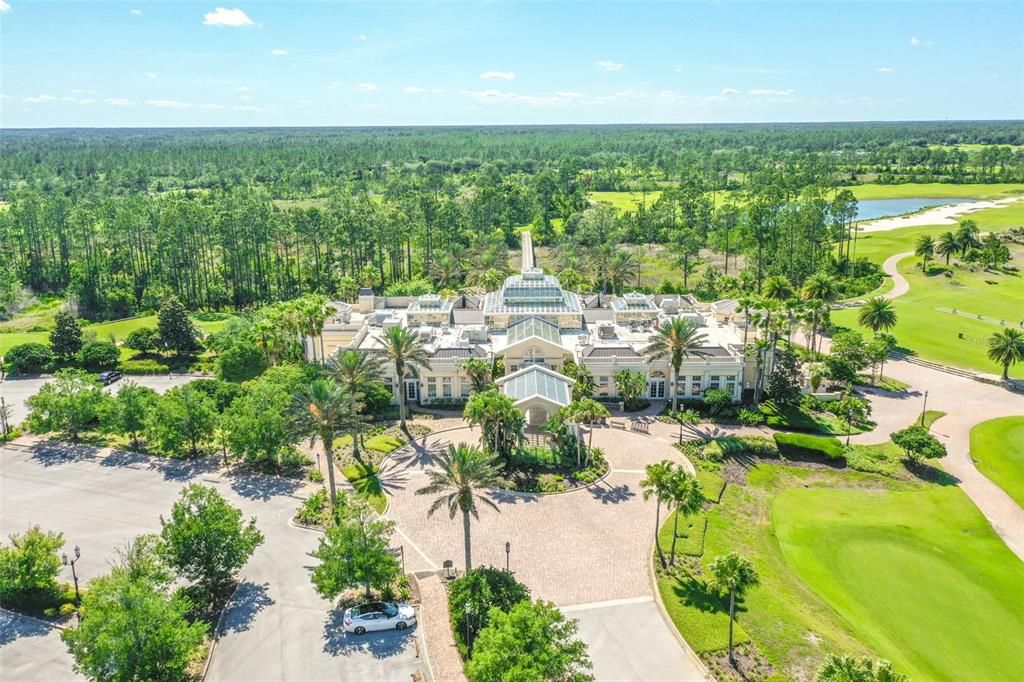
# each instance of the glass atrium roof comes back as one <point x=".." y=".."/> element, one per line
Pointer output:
<point x="533" y="326"/>
<point x="532" y="291"/>
<point x="536" y="381"/>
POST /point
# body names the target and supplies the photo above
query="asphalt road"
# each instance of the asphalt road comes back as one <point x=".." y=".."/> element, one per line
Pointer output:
<point x="277" y="628"/>
<point x="17" y="390"/>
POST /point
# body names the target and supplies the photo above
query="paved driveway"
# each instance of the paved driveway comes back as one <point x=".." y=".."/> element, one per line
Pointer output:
<point x="17" y="390"/>
<point x="277" y="628"/>
<point x="589" y="547"/>
<point x="31" y="650"/>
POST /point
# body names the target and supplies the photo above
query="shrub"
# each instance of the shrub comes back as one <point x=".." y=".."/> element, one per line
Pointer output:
<point x="750" y="417"/>
<point x="313" y="509"/>
<point x="803" y="445"/>
<point x="143" y="339"/>
<point x="29" y="358"/>
<point x="315" y="476"/>
<point x="716" y="400"/>
<point x="384" y="443"/>
<point x="240" y="362"/>
<point x="760" y="446"/>
<point x="712" y="451"/>
<point x="551" y="483"/>
<point x="29" y="568"/>
<point x="483" y="588"/>
<point x="97" y="356"/>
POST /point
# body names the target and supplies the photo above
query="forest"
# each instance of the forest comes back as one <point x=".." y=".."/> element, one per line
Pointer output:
<point x="231" y="219"/>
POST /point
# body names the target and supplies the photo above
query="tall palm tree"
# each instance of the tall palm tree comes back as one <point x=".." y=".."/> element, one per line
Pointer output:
<point x="820" y="288"/>
<point x="968" y="236"/>
<point x="462" y="472"/>
<point x="587" y="411"/>
<point x="622" y="266"/>
<point x="686" y="495"/>
<point x="356" y="371"/>
<point x="732" y="574"/>
<point x="1006" y="347"/>
<point x="925" y="249"/>
<point x="656" y="485"/>
<point x="947" y="245"/>
<point x="877" y="314"/>
<point x="777" y="288"/>
<point x="324" y="409"/>
<point x="479" y="372"/>
<point x="407" y="351"/>
<point x="676" y="339"/>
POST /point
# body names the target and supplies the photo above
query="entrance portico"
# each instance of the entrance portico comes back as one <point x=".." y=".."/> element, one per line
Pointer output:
<point x="537" y="391"/>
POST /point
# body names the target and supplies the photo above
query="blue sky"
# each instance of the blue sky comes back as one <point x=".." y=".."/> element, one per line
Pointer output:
<point x="332" y="63"/>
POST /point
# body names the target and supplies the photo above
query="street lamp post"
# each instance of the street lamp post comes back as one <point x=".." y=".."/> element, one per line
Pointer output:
<point x="849" y="425"/>
<point x="924" y="408"/>
<point x="508" y="551"/>
<point x="469" y="642"/>
<point x="74" y="573"/>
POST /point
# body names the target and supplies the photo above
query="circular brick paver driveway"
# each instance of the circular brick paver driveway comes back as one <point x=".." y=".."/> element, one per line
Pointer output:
<point x="579" y="547"/>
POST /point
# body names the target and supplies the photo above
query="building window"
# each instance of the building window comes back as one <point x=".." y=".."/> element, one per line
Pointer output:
<point x="695" y="387"/>
<point x="464" y="387"/>
<point x="431" y="388"/>
<point x="602" y="385"/>
<point x="714" y="382"/>
<point x="730" y="384"/>
<point x="446" y="387"/>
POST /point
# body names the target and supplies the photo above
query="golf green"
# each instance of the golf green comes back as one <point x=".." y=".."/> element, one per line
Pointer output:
<point x="919" y="576"/>
<point x="997" y="447"/>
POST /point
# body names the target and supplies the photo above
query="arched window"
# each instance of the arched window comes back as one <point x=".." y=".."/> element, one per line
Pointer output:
<point x="533" y="356"/>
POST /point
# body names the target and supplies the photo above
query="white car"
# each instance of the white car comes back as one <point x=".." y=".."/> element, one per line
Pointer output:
<point x="379" y="616"/>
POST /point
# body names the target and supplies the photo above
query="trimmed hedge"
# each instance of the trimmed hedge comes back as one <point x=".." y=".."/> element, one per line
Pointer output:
<point x="804" y="445"/>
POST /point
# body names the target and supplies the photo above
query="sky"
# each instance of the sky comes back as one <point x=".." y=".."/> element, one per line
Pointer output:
<point x="287" y="63"/>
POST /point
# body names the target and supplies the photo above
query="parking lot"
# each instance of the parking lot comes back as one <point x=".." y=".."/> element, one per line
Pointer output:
<point x="277" y="628"/>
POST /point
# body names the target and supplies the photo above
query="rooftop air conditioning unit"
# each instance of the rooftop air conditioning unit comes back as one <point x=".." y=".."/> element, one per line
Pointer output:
<point x="606" y="331"/>
<point x="670" y="306"/>
<point x="475" y="335"/>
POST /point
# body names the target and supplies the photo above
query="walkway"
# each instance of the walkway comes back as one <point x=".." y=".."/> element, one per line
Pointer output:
<point x="588" y="550"/>
<point x="900" y="283"/>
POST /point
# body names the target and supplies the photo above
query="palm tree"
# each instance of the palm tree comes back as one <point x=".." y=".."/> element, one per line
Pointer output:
<point x="925" y="249"/>
<point x="877" y="314"/>
<point x="967" y="236"/>
<point x="947" y="245"/>
<point x="1006" y="347"/>
<point x="777" y="288"/>
<point x="462" y="472"/>
<point x="675" y="339"/>
<point x="479" y="372"/>
<point x="732" y="574"/>
<point x="584" y="378"/>
<point x="622" y="266"/>
<point x="656" y="486"/>
<point x="407" y="351"/>
<point x="356" y="371"/>
<point x="446" y="269"/>
<point x="819" y="291"/>
<point x="587" y="411"/>
<point x="686" y="494"/>
<point x="324" y="409"/>
<point x="500" y="421"/>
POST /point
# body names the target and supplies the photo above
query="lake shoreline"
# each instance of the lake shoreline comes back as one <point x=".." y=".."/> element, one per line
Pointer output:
<point x="940" y="215"/>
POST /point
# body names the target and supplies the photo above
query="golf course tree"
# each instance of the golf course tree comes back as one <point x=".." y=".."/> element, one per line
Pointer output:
<point x="482" y="589"/>
<point x="206" y="540"/>
<point x="532" y="641"/>
<point x="132" y="626"/>
<point x="175" y="328"/>
<point x="125" y="412"/>
<point x="1006" y="347"/>
<point x="918" y="444"/>
<point x="850" y="669"/>
<point x="878" y="350"/>
<point x="182" y="420"/>
<point x="461" y="475"/>
<point x="925" y="249"/>
<point x="407" y="352"/>
<point x="657" y="484"/>
<point x="66" y="336"/>
<point x="732" y="575"/>
<point x="29" y="567"/>
<point x="877" y="314"/>
<point x="947" y="245"/>
<point x="323" y="410"/>
<point x="501" y="422"/>
<point x="685" y="497"/>
<point x="69" y="405"/>
<point x="675" y="340"/>
<point x="354" y="552"/>
<point x="968" y="236"/>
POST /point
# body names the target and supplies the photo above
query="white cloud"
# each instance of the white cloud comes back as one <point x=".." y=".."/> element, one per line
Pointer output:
<point x="39" y="99"/>
<point x="416" y="89"/>
<point x="86" y="101"/>
<point x="242" y="88"/>
<point x="495" y="96"/>
<point x="136" y="12"/>
<point x="4" y="7"/>
<point x="279" y="52"/>
<point x="119" y="102"/>
<point x="212" y="106"/>
<point x="150" y="74"/>
<point x="359" y="37"/>
<point x="227" y="17"/>
<point x="609" y="65"/>
<point x="729" y="91"/>
<point x="367" y="87"/>
<point x="498" y="75"/>
<point x="168" y="104"/>
<point x="885" y="69"/>
<point x="917" y="42"/>
<point x="765" y="92"/>
<point x="245" y="107"/>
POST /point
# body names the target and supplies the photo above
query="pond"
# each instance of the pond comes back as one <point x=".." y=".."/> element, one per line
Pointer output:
<point x="870" y="209"/>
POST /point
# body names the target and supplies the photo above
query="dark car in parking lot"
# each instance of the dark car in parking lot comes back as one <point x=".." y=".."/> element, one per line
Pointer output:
<point x="107" y="378"/>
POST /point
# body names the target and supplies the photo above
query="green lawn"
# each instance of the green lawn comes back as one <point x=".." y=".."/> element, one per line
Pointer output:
<point x="939" y="190"/>
<point x="364" y="479"/>
<point x="926" y="325"/>
<point x="103" y="331"/>
<point x="625" y="201"/>
<point x="918" y="575"/>
<point x="997" y="447"/>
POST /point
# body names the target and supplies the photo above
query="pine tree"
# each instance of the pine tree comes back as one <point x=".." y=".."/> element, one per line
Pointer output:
<point x="66" y="336"/>
<point x="176" y="330"/>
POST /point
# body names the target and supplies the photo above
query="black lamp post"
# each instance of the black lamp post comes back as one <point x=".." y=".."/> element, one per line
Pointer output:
<point x="849" y="425"/>
<point x="924" y="408"/>
<point x="74" y="573"/>
<point x="469" y="642"/>
<point x="508" y="551"/>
